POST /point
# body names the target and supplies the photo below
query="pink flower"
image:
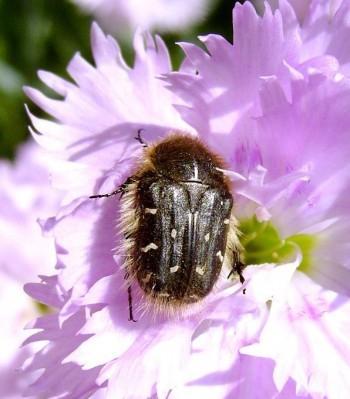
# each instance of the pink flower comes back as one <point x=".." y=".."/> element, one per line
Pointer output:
<point x="277" y="111"/>
<point x="25" y="196"/>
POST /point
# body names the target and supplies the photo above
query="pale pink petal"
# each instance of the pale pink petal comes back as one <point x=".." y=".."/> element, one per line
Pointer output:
<point x="313" y="323"/>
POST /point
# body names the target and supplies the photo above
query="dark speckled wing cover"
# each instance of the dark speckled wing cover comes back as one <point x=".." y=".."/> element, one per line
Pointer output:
<point x="187" y="223"/>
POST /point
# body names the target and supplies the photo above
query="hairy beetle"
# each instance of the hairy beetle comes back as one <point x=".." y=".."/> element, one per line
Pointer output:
<point x="177" y="221"/>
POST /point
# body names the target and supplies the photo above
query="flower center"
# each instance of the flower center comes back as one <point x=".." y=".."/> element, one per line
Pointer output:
<point x="263" y="244"/>
<point x="41" y="308"/>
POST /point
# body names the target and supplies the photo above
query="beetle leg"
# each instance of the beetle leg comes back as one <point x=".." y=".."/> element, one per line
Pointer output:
<point x="117" y="191"/>
<point x="238" y="267"/>
<point x="120" y="190"/>
<point x="131" y="316"/>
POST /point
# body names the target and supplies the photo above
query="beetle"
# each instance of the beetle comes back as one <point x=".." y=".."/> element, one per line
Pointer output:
<point x="178" y="222"/>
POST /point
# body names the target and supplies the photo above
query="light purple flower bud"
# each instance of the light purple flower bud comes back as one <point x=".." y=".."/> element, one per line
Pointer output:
<point x="123" y="17"/>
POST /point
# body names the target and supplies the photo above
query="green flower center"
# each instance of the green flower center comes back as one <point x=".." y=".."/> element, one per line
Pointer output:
<point x="41" y="308"/>
<point x="263" y="244"/>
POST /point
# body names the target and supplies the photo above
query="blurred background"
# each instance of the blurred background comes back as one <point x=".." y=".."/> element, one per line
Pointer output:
<point x="44" y="34"/>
